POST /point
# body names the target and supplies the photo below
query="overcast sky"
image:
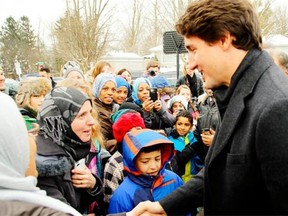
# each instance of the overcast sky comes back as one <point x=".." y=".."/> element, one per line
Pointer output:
<point x="43" y="13"/>
<point x="36" y="10"/>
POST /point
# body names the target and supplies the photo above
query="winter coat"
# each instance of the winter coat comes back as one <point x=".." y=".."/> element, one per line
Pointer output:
<point x="54" y="175"/>
<point x="189" y="167"/>
<point x="137" y="187"/>
<point x="245" y="168"/>
<point x="195" y="83"/>
<point x="208" y="114"/>
<point x="157" y="120"/>
<point x="105" y="111"/>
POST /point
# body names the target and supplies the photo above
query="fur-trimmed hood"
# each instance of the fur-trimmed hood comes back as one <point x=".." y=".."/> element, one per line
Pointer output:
<point x="52" y="165"/>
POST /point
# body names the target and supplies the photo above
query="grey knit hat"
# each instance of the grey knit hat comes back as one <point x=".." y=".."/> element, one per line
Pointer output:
<point x="70" y="69"/>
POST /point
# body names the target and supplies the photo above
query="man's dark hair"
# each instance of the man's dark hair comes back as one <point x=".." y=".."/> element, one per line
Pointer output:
<point x="46" y="69"/>
<point x="210" y="20"/>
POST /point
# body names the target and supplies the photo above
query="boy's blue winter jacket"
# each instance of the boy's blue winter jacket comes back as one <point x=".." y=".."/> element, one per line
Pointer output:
<point x="138" y="187"/>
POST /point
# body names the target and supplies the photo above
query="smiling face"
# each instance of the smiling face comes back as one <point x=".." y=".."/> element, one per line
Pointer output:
<point x="120" y="95"/>
<point x="107" y="92"/>
<point x="143" y="91"/>
<point x="183" y="126"/>
<point x="149" y="163"/>
<point x="208" y="59"/>
<point x="83" y="122"/>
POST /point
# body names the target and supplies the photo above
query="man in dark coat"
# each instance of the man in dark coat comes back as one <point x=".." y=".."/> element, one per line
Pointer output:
<point x="245" y="169"/>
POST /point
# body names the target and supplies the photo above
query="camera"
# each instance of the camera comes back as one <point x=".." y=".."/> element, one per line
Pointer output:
<point x="152" y="73"/>
<point x="153" y="94"/>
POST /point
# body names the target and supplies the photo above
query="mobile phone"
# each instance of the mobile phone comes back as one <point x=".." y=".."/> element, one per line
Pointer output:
<point x="80" y="164"/>
<point x="205" y="131"/>
<point x="153" y="94"/>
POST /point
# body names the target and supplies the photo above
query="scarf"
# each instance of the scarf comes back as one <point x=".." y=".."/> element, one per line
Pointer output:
<point x="223" y="94"/>
<point x="58" y="110"/>
<point x="136" y="84"/>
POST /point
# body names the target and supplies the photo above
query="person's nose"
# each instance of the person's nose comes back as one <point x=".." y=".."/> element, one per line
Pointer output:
<point x="192" y="61"/>
<point x="111" y="92"/>
<point x="153" y="165"/>
<point x="42" y="98"/>
<point x="90" y="120"/>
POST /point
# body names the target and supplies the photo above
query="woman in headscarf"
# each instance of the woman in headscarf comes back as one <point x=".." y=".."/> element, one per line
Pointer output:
<point x="123" y="90"/>
<point x="104" y="88"/>
<point x="65" y="137"/>
<point x="19" y="194"/>
<point x="155" y="115"/>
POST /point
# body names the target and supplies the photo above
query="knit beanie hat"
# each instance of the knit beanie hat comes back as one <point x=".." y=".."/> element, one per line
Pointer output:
<point x="178" y="98"/>
<point x="132" y="106"/>
<point x="125" y="123"/>
<point x="70" y="69"/>
<point x="120" y="81"/>
<point x="100" y="81"/>
<point x="159" y="82"/>
<point x="115" y="116"/>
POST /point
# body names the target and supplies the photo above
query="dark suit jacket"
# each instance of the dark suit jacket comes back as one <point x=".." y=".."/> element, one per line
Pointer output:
<point x="246" y="171"/>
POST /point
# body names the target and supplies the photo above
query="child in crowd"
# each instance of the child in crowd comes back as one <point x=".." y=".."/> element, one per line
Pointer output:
<point x="104" y="88"/>
<point x="156" y="116"/>
<point x="30" y="96"/>
<point x="187" y="161"/>
<point x="123" y="90"/>
<point x="145" y="154"/>
<point x="176" y="104"/>
<point x="164" y="88"/>
<point x="126" y="74"/>
<point x="113" y="172"/>
<point x="185" y="91"/>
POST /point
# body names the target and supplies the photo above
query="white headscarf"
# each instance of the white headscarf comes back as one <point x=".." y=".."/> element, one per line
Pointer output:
<point x="14" y="159"/>
<point x="14" y="148"/>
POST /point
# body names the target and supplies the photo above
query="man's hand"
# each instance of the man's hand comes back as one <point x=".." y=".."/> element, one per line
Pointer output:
<point x="147" y="208"/>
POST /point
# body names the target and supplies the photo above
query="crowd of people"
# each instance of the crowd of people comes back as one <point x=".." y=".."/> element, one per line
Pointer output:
<point x="100" y="143"/>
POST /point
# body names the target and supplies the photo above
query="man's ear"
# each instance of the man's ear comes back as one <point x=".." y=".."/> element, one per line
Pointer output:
<point x="226" y="40"/>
